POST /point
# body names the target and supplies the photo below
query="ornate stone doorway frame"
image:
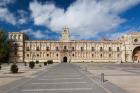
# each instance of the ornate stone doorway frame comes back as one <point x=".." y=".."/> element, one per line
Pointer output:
<point x="65" y="59"/>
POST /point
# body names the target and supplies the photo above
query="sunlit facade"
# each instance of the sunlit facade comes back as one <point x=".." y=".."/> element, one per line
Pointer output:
<point x="124" y="49"/>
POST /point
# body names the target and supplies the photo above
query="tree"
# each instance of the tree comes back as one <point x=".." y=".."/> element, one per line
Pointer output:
<point x="4" y="45"/>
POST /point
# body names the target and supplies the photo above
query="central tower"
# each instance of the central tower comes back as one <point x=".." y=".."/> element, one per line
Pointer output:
<point x="65" y="36"/>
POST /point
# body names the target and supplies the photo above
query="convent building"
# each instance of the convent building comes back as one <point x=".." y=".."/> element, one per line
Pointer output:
<point x="123" y="49"/>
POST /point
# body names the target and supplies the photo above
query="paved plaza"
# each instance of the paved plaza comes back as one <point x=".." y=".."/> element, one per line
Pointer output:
<point x="126" y="76"/>
<point x="77" y="78"/>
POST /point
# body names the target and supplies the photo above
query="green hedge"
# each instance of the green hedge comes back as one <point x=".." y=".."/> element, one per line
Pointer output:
<point x="45" y="63"/>
<point x="31" y="64"/>
<point x="50" y="61"/>
<point x="14" y="68"/>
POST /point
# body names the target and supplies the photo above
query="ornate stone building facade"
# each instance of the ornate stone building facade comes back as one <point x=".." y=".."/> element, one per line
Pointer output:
<point x="124" y="49"/>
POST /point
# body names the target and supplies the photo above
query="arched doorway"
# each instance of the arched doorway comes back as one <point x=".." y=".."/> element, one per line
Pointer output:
<point x="136" y="54"/>
<point x="64" y="59"/>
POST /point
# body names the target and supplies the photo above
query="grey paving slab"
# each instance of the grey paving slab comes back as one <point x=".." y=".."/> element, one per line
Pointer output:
<point x="62" y="78"/>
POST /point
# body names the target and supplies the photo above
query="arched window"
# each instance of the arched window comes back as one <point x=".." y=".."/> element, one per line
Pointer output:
<point x="92" y="48"/>
<point x="82" y="49"/>
<point x="57" y="55"/>
<point x="27" y="49"/>
<point x="73" y="55"/>
<point x="37" y="55"/>
<point x="47" y="55"/>
<point x="65" y="47"/>
<point x="110" y="49"/>
<point x="135" y="40"/>
<point x="109" y="55"/>
<point x="72" y="48"/>
<point x="118" y="55"/>
<point x="27" y="55"/>
<point x="118" y="49"/>
<point x="56" y="48"/>
<point x="37" y="48"/>
<point x="101" y="49"/>
<point x="19" y="37"/>
<point x="92" y="55"/>
<point x="101" y="55"/>
<point x="47" y="48"/>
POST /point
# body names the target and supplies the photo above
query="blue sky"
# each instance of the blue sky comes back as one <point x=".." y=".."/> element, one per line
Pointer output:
<point x="86" y="19"/>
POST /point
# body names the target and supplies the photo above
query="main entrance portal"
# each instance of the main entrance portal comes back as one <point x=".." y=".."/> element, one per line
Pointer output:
<point x="65" y="59"/>
<point x="136" y="54"/>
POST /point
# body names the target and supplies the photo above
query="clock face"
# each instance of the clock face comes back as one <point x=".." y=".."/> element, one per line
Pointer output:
<point x="135" y="40"/>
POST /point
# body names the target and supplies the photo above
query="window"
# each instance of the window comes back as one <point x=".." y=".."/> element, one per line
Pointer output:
<point x="27" y="48"/>
<point x="19" y="37"/>
<point x="56" y="48"/>
<point x="110" y="49"/>
<point x="37" y="55"/>
<point x="37" y="49"/>
<point x="101" y="49"/>
<point x="109" y="55"/>
<point x="72" y="48"/>
<point x="92" y="48"/>
<point x="73" y="55"/>
<point x="118" y="49"/>
<point x="92" y="55"/>
<point x="101" y="55"/>
<point x="47" y="48"/>
<point x="118" y="55"/>
<point x="57" y="55"/>
<point x="65" y="47"/>
<point x="27" y="55"/>
<point x="47" y="55"/>
<point x="135" y="40"/>
<point x="82" y="48"/>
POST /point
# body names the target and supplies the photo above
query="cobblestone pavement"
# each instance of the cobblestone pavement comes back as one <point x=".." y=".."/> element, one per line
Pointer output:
<point x="61" y="78"/>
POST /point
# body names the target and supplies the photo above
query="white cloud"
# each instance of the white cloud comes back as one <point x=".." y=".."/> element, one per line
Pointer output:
<point x="23" y="17"/>
<point x="9" y="17"/>
<point x="117" y="35"/>
<point x="5" y="2"/>
<point x="5" y="15"/>
<point x="85" y="18"/>
<point x="36" y="34"/>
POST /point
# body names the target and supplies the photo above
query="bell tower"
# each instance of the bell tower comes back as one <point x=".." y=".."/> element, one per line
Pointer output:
<point x="65" y="36"/>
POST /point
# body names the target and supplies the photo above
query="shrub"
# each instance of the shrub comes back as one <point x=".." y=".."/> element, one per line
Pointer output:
<point x="45" y="63"/>
<point x="31" y="64"/>
<point x="37" y="62"/>
<point x="14" y="68"/>
<point x="50" y="61"/>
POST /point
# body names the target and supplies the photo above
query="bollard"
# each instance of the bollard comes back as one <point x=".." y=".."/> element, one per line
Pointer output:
<point x="102" y="77"/>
